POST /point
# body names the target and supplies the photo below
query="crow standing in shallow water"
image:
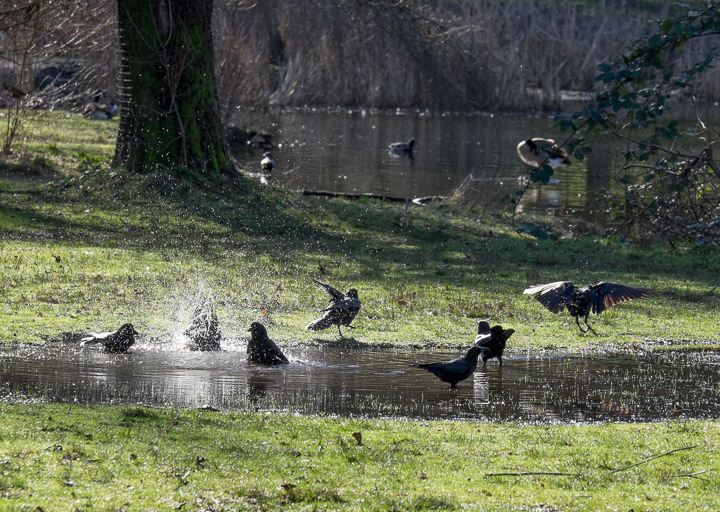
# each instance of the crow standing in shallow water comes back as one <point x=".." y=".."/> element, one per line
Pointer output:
<point x="492" y="341"/>
<point x="594" y="298"/>
<point x="113" y="341"/>
<point x="342" y="309"/>
<point x="456" y="370"/>
<point x="261" y="349"/>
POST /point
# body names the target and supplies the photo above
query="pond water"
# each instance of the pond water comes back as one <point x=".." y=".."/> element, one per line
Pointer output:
<point x="347" y="152"/>
<point x="371" y="383"/>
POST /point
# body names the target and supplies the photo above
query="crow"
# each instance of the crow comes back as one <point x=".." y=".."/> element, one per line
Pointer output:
<point x="580" y="302"/>
<point x="538" y="152"/>
<point x="456" y="370"/>
<point x="261" y="349"/>
<point x="493" y="341"/>
<point x="204" y="330"/>
<point x="342" y="309"/>
<point x="113" y="341"/>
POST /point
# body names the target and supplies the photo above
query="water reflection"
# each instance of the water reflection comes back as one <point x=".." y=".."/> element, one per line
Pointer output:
<point x="373" y="383"/>
<point x="348" y="152"/>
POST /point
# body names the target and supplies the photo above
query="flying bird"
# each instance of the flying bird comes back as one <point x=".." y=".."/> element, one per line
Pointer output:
<point x="538" y="152"/>
<point x="403" y="148"/>
<point x="113" y="341"/>
<point x="580" y="302"/>
<point x="268" y="162"/>
<point x="342" y="309"/>
<point x="456" y="370"/>
<point x="261" y="349"/>
<point x="492" y="340"/>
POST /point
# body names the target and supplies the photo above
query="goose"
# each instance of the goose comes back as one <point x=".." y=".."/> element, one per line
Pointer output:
<point x="403" y="148"/>
<point x="268" y="162"/>
<point x="538" y="152"/>
<point x="97" y="110"/>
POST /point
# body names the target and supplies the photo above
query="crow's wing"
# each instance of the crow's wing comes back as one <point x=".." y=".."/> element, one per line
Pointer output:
<point x="336" y="294"/>
<point x="344" y="304"/>
<point x="456" y="367"/>
<point x="97" y="337"/>
<point x="482" y="339"/>
<point x="605" y="295"/>
<point x="275" y="350"/>
<point x="553" y="296"/>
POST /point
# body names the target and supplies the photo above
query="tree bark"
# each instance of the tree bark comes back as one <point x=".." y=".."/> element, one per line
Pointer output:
<point x="168" y="104"/>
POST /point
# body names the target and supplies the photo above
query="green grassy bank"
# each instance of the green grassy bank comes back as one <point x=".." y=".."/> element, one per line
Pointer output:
<point x="69" y="457"/>
<point x="85" y="248"/>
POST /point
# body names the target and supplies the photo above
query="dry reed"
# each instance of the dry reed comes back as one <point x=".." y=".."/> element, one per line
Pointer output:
<point x="451" y="55"/>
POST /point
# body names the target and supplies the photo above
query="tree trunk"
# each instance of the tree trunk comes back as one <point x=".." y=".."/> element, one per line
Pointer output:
<point x="169" y="114"/>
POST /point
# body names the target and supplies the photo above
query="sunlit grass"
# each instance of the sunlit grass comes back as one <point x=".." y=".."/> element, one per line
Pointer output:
<point x="96" y="248"/>
<point x="65" y="457"/>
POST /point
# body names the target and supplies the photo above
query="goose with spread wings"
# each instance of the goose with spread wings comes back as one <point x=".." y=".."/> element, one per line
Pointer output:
<point x="538" y="152"/>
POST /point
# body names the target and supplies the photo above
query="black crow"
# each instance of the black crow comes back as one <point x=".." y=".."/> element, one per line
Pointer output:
<point x="342" y="309"/>
<point x="493" y="341"/>
<point x="204" y="330"/>
<point x="580" y="302"/>
<point x="261" y="349"/>
<point x="456" y="370"/>
<point x="113" y="341"/>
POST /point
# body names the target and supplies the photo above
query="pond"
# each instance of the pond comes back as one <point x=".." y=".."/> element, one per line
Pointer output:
<point x="347" y="152"/>
<point x="378" y="383"/>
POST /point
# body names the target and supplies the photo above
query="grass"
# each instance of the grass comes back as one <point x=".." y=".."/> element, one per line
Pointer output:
<point x="71" y="457"/>
<point x="86" y="248"/>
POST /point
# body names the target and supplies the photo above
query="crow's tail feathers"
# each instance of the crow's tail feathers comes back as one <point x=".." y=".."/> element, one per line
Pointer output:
<point x="319" y="324"/>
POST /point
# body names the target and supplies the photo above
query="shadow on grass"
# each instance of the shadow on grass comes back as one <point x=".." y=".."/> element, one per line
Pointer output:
<point x="219" y="219"/>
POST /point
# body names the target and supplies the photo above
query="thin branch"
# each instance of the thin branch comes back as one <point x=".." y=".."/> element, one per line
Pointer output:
<point x="655" y="457"/>
<point x="693" y="475"/>
<point x="533" y="473"/>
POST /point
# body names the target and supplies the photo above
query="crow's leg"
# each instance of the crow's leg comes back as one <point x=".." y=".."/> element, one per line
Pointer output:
<point x="589" y="328"/>
<point x="500" y="360"/>
<point x="577" y="321"/>
<point x="341" y="334"/>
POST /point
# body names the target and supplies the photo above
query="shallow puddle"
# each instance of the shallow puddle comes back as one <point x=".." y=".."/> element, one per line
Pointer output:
<point x="372" y="383"/>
